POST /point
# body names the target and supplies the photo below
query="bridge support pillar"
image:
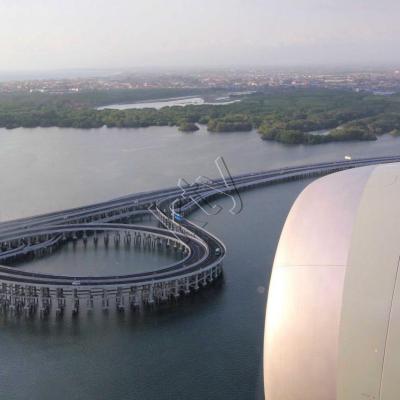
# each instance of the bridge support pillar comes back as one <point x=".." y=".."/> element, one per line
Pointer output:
<point x="105" y="301"/>
<point x="150" y="299"/>
<point x="44" y="302"/>
<point x="119" y="300"/>
<point x="187" y="287"/>
<point x="75" y="302"/>
<point x="60" y="302"/>
<point x="90" y="301"/>
<point x="176" y="289"/>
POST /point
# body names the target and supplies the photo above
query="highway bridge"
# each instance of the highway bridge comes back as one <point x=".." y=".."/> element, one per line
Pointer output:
<point x="115" y="222"/>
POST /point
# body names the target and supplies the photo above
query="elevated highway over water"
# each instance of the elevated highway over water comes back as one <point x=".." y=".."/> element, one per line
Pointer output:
<point x="115" y="222"/>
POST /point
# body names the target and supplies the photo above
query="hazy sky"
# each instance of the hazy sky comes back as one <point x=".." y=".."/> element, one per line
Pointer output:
<point x="59" y="34"/>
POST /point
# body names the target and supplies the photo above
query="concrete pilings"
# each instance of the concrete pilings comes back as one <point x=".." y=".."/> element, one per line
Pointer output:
<point x="18" y="300"/>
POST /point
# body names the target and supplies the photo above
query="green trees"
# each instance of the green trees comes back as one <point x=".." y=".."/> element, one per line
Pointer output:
<point x="351" y="133"/>
<point x="230" y="123"/>
<point x="285" y="115"/>
<point x="186" y="126"/>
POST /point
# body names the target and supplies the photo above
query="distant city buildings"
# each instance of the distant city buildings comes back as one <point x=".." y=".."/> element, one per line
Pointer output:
<point x="378" y="82"/>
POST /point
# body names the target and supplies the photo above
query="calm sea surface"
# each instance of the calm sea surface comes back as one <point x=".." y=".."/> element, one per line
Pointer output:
<point x="208" y="347"/>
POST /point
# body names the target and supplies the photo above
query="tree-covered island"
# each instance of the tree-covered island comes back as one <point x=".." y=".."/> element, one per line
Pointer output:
<point x="186" y="126"/>
<point x="287" y="115"/>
